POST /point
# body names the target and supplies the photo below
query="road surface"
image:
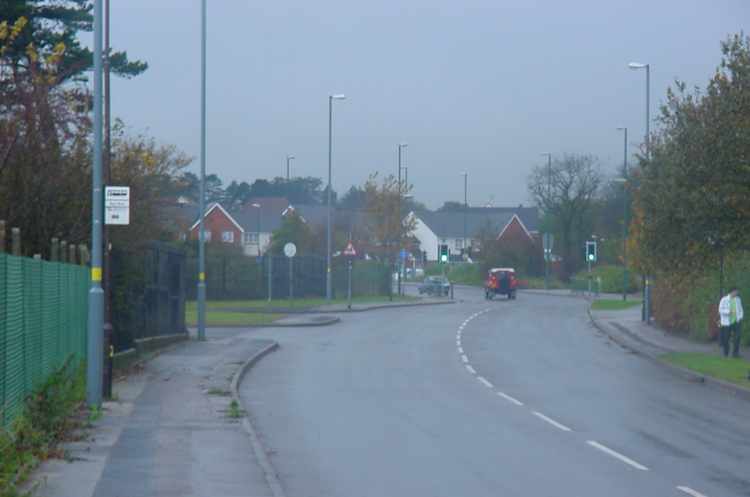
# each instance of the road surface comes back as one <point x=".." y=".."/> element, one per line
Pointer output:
<point x="501" y="398"/>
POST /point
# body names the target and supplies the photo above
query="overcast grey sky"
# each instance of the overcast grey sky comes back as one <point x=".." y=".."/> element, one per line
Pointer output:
<point x="484" y="86"/>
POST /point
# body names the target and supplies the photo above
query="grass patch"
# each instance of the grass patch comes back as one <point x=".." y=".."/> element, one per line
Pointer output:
<point x="226" y="318"/>
<point x="190" y="305"/>
<point x="614" y="304"/>
<point x="46" y="421"/>
<point x="729" y="369"/>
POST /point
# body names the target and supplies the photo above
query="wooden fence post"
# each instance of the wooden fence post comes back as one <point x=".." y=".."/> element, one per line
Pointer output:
<point x="15" y="235"/>
<point x="2" y="236"/>
<point x="72" y="253"/>
<point x="54" y="253"/>
<point x="38" y="257"/>
<point x="63" y="251"/>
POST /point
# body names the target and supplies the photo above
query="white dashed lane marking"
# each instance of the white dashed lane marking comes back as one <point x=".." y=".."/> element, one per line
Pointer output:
<point x="690" y="491"/>
<point x="510" y="399"/>
<point x="551" y="421"/>
<point x="484" y="382"/>
<point x="465" y="359"/>
<point x="617" y="455"/>
<point x="471" y="370"/>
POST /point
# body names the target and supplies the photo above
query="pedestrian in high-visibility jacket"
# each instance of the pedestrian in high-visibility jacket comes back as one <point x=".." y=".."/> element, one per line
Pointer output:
<point x="730" y="319"/>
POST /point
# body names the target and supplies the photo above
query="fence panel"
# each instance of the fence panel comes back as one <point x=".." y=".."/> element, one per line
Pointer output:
<point x="43" y="309"/>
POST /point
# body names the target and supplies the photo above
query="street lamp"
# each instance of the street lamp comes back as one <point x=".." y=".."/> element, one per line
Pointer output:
<point x="202" y="200"/>
<point x="401" y="146"/>
<point x="331" y="98"/>
<point x="549" y="196"/>
<point x="289" y="158"/>
<point x="466" y="204"/>
<point x="646" y="286"/>
<point x="95" y="329"/>
<point x="257" y="206"/>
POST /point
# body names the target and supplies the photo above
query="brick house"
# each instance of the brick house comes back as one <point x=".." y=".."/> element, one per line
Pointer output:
<point x="219" y="226"/>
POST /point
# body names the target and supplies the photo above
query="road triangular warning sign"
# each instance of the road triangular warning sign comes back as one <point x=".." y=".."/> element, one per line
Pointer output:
<point x="349" y="250"/>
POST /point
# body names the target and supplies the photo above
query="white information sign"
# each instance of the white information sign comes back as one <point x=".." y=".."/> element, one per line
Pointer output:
<point x="290" y="250"/>
<point x="117" y="205"/>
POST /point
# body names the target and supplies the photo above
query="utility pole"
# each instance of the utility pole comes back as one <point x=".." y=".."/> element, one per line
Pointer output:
<point x="108" y="339"/>
<point x="95" y="350"/>
<point x="202" y="200"/>
<point x="626" y="175"/>
<point x="399" y="224"/>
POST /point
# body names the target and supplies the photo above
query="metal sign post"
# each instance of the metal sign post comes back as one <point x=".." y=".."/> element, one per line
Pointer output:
<point x="290" y="250"/>
<point x="547" y="241"/>
<point x="350" y="253"/>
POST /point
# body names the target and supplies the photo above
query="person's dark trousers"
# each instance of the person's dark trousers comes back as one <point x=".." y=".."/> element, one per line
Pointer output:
<point x="735" y="333"/>
<point x="724" y="334"/>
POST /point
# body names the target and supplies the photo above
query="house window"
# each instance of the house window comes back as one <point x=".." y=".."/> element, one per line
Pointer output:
<point x="250" y="238"/>
<point x="206" y="235"/>
<point x="227" y="236"/>
<point x="459" y="243"/>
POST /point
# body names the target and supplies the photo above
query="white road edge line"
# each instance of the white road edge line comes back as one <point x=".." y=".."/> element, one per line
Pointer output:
<point x="460" y="350"/>
<point x="690" y="491"/>
<point x="470" y="369"/>
<point x="484" y="382"/>
<point x="616" y="455"/>
<point x="510" y="399"/>
<point x="464" y="358"/>
<point x="551" y="421"/>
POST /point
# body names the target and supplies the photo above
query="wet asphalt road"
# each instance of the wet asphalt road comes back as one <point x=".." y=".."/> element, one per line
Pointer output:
<point x="384" y="404"/>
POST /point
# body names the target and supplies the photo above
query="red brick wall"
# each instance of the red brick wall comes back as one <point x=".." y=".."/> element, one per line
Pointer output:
<point x="515" y="236"/>
<point x="217" y="223"/>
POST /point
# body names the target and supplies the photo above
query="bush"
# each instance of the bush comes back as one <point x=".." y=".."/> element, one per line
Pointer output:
<point x="461" y="273"/>
<point x="611" y="278"/>
<point x="45" y="421"/>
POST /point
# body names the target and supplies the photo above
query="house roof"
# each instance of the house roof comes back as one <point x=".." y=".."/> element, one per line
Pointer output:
<point x="271" y="209"/>
<point x="211" y="207"/>
<point x="450" y="224"/>
<point x="317" y="215"/>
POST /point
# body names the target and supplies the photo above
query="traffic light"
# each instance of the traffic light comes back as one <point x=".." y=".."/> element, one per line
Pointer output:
<point x="443" y="253"/>
<point x="591" y="251"/>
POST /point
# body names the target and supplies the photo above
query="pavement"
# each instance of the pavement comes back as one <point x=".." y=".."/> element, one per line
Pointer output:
<point x="512" y="398"/>
<point x="652" y="338"/>
<point x="170" y="432"/>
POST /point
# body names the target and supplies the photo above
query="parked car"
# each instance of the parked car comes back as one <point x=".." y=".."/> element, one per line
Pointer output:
<point x="435" y="285"/>
<point x="501" y="281"/>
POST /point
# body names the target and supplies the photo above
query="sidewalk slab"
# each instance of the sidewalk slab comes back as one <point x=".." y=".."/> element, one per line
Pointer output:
<point x="169" y="433"/>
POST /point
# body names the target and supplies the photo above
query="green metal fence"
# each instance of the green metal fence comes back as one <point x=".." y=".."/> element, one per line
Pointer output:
<point x="43" y="312"/>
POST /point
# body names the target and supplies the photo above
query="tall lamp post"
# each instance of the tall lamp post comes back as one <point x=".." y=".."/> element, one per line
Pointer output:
<point x="549" y="194"/>
<point x="289" y="158"/>
<point x="95" y="328"/>
<point x="646" y="312"/>
<point x="202" y="193"/>
<point x="257" y="206"/>
<point x="466" y="204"/>
<point x="331" y="98"/>
<point x="624" y="181"/>
<point x="401" y="146"/>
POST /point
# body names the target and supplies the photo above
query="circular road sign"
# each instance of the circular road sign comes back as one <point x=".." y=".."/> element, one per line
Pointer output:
<point x="290" y="249"/>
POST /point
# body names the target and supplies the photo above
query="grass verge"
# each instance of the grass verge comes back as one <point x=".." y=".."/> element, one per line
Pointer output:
<point x="217" y="317"/>
<point x="46" y="421"/>
<point x="729" y="369"/>
<point x="190" y="305"/>
<point x="614" y="304"/>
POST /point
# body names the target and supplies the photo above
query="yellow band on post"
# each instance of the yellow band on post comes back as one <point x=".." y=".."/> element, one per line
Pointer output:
<point x="202" y="276"/>
<point x="96" y="273"/>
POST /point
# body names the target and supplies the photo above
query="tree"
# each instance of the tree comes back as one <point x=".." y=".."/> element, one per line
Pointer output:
<point x="293" y="229"/>
<point x="354" y="198"/>
<point x="51" y="24"/>
<point x="694" y="198"/>
<point x="386" y="213"/>
<point x="567" y="194"/>
<point x="451" y="206"/>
